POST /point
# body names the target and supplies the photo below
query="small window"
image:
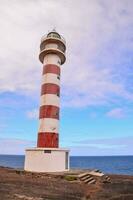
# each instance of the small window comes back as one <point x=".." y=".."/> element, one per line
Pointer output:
<point x="59" y="62"/>
<point x="47" y="151"/>
<point x="57" y="113"/>
<point x="58" y="77"/>
<point x="58" y="94"/>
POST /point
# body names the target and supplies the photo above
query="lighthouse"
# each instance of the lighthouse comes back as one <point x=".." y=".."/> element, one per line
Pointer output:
<point x="48" y="156"/>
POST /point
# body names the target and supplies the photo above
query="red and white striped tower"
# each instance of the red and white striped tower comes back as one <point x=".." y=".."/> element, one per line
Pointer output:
<point x="52" y="56"/>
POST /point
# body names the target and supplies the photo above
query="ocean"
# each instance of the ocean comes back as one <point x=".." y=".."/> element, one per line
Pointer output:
<point x="107" y="164"/>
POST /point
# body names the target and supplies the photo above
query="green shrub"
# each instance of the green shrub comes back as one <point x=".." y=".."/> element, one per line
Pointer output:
<point x="70" y="178"/>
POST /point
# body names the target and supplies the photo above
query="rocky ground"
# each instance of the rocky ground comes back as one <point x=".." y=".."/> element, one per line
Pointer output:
<point x="18" y="185"/>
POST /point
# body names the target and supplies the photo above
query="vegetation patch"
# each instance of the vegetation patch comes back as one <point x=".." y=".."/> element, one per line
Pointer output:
<point x="70" y="178"/>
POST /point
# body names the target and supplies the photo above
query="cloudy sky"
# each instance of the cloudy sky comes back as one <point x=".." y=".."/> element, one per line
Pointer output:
<point x="96" y="82"/>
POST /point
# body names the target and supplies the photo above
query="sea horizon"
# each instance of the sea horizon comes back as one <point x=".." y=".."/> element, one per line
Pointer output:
<point x="115" y="164"/>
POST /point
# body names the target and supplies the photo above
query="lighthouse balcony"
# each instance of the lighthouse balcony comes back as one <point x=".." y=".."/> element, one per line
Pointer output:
<point x="52" y="50"/>
<point x="53" y="46"/>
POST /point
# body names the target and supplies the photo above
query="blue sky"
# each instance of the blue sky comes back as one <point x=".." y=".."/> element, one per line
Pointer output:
<point x="96" y="81"/>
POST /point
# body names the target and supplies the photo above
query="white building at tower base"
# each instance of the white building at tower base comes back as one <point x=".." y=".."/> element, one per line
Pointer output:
<point x="47" y="160"/>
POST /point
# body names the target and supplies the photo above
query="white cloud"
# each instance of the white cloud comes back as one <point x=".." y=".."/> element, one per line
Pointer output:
<point x="98" y="35"/>
<point x="33" y="114"/>
<point x="15" y="146"/>
<point x="105" y="146"/>
<point x="117" y="113"/>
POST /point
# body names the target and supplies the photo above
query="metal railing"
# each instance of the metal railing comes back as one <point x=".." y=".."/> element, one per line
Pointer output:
<point x="49" y="48"/>
<point x="59" y="48"/>
<point x="46" y="36"/>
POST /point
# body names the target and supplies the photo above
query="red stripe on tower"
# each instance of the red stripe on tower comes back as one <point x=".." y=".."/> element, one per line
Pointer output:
<point x="47" y="140"/>
<point x="51" y="69"/>
<point x="48" y="111"/>
<point x="50" y="88"/>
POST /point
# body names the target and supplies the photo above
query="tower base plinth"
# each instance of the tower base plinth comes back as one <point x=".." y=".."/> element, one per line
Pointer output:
<point x="46" y="160"/>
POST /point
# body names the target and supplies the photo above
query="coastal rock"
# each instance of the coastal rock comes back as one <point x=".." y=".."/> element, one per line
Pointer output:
<point x="24" y="197"/>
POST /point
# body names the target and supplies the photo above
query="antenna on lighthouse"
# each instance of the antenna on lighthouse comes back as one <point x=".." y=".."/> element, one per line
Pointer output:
<point x="54" y="29"/>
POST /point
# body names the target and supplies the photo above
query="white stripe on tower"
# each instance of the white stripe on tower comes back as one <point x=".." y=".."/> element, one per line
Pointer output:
<point x="51" y="78"/>
<point x="49" y="125"/>
<point x="50" y="99"/>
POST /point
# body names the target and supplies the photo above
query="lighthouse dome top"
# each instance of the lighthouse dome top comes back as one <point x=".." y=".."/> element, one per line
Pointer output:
<point x="54" y="34"/>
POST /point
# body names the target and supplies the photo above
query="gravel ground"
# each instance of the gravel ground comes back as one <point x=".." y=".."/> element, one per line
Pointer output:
<point x="17" y="185"/>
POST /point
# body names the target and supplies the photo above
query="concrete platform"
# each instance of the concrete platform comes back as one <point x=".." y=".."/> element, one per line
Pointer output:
<point x="47" y="160"/>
